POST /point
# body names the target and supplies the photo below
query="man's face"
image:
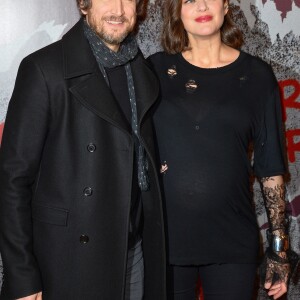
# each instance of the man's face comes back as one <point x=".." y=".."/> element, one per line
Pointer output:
<point x="112" y="20"/>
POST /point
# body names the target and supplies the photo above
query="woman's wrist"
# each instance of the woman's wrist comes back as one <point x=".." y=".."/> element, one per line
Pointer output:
<point x="282" y="254"/>
<point x="280" y="243"/>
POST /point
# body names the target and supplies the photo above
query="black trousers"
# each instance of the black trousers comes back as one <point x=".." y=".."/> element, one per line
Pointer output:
<point x="218" y="281"/>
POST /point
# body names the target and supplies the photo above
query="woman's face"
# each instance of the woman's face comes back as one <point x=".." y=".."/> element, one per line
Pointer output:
<point x="203" y="18"/>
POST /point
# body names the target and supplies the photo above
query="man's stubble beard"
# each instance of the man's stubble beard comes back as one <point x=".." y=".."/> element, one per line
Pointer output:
<point x="111" y="38"/>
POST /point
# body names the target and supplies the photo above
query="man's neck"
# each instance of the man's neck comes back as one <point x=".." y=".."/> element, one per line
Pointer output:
<point x="112" y="47"/>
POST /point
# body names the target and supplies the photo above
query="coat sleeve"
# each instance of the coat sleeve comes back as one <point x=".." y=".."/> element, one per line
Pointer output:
<point x="24" y="136"/>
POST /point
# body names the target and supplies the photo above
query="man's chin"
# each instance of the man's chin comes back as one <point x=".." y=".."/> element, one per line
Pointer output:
<point x="114" y="39"/>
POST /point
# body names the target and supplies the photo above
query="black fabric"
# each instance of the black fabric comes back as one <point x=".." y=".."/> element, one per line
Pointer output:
<point x="119" y="88"/>
<point x="218" y="281"/>
<point x="205" y="124"/>
<point x="118" y="84"/>
<point x="78" y="141"/>
<point x="107" y="58"/>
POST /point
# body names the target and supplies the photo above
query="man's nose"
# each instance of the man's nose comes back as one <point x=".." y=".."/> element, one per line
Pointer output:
<point x="118" y="7"/>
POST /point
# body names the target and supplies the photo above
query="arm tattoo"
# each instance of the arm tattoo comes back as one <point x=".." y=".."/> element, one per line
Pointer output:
<point x="274" y="194"/>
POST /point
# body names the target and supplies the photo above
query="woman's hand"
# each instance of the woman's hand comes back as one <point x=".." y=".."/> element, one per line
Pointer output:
<point x="276" y="290"/>
<point x="279" y="287"/>
<point x="37" y="296"/>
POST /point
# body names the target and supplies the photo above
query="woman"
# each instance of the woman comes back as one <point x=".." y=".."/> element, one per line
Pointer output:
<point x="216" y="102"/>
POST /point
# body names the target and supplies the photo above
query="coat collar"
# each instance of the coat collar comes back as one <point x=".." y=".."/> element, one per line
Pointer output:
<point x="77" y="55"/>
<point x="90" y="88"/>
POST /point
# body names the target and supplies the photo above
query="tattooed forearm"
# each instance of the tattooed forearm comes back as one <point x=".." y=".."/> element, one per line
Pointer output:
<point x="279" y="261"/>
<point x="274" y="196"/>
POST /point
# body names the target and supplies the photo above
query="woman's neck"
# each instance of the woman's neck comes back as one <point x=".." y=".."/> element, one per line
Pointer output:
<point x="209" y="53"/>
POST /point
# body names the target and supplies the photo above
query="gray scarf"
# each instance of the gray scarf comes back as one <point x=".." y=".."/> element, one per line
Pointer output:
<point x="107" y="58"/>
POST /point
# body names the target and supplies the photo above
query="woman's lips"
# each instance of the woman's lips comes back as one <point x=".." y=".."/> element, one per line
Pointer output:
<point x="203" y="19"/>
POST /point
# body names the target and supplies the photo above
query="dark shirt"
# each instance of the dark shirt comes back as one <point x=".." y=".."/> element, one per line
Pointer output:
<point x="205" y="124"/>
<point x="119" y="87"/>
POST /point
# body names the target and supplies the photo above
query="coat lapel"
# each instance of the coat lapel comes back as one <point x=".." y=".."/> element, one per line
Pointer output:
<point x="86" y="81"/>
<point x="90" y="88"/>
<point x="146" y="86"/>
<point x="94" y="94"/>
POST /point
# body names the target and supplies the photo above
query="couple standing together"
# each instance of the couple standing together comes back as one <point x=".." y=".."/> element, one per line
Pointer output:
<point x="81" y="163"/>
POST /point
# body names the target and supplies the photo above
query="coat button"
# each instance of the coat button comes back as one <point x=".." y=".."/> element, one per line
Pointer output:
<point x="88" y="192"/>
<point x="84" y="239"/>
<point x="91" y="147"/>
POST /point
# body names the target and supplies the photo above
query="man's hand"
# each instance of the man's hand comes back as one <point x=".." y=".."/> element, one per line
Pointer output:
<point x="37" y="296"/>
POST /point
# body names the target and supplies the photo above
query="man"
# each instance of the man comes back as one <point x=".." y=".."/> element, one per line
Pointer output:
<point x="79" y="187"/>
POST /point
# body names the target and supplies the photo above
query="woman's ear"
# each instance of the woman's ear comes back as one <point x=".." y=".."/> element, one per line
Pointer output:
<point x="226" y="7"/>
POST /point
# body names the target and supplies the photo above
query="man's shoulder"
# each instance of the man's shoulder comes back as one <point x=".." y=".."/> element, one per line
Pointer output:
<point x="46" y="53"/>
<point x="54" y="51"/>
<point x="141" y="61"/>
<point x="48" y="60"/>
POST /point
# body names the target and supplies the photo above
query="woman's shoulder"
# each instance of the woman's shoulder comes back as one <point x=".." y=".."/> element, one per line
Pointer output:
<point x="158" y="55"/>
<point x="159" y="59"/>
<point x="257" y="63"/>
<point x="260" y="69"/>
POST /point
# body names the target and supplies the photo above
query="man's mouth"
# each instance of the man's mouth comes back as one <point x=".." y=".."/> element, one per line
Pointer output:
<point x="115" y="20"/>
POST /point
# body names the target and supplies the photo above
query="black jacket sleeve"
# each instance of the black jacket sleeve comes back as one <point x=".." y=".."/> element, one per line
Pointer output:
<point x="24" y="135"/>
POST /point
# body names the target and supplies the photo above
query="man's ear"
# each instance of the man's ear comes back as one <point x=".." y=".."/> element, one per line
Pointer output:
<point x="81" y="5"/>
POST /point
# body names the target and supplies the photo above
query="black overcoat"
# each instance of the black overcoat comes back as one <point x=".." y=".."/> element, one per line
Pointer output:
<point x="66" y="167"/>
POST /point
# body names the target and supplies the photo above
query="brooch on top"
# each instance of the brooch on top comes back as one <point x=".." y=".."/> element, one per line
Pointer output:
<point x="172" y="72"/>
<point x="191" y="86"/>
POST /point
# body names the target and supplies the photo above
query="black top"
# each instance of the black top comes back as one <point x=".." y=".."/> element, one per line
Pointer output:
<point x="119" y="88"/>
<point x="205" y="123"/>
